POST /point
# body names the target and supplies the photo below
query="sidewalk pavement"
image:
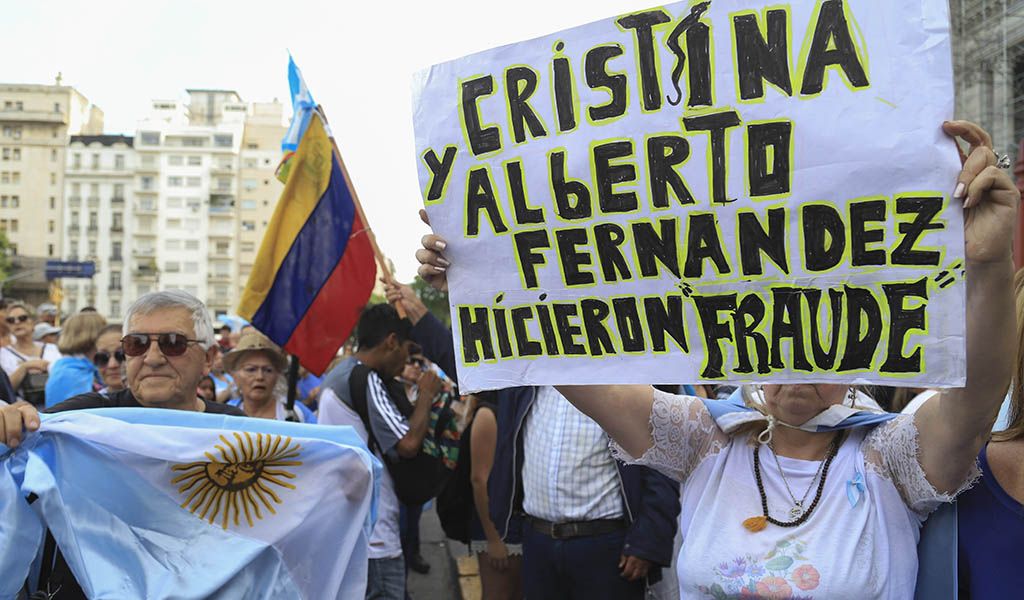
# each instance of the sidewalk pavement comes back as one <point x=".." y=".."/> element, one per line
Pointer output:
<point x="442" y="582"/>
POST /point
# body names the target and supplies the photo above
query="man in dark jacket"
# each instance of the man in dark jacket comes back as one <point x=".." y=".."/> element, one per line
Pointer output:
<point x="591" y="527"/>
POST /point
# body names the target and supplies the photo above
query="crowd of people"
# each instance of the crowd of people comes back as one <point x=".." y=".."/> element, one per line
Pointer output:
<point x="603" y="491"/>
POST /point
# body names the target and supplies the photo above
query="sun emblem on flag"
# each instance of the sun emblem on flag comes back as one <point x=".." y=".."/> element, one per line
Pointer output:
<point x="243" y="478"/>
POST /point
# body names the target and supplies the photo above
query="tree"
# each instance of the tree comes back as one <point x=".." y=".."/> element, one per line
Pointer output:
<point x="436" y="302"/>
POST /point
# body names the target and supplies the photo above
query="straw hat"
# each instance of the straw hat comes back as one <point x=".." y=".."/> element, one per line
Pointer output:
<point x="255" y="342"/>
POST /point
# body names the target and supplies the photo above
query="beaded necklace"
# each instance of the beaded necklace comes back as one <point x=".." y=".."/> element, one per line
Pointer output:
<point x="755" y="524"/>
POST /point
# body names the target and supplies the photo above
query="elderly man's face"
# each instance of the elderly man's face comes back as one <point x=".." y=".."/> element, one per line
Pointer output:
<point x="163" y="381"/>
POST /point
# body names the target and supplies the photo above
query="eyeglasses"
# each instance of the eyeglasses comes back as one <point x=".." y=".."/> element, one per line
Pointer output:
<point x="17" y="319"/>
<point x="102" y="357"/>
<point x="253" y="370"/>
<point x="171" y="344"/>
<point x="418" y="362"/>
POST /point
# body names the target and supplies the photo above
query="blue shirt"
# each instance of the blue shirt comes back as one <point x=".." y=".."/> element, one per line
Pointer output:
<point x="69" y="377"/>
<point x="991" y="525"/>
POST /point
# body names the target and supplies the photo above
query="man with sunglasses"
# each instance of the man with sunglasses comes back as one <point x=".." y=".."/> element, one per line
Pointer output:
<point x="166" y="344"/>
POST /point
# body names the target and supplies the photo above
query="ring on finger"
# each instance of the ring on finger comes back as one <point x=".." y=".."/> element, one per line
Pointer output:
<point x="1003" y="161"/>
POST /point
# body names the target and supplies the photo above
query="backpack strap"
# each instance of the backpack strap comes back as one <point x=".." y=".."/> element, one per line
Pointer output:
<point x="358" y="381"/>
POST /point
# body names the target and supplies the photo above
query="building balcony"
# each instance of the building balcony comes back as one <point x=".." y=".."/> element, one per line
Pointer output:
<point x="143" y="252"/>
<point x="117" y="228"/>
<point x="146" y="190"/>
<point x="115" y="258"/>
<point x="218" y="277"/>
<point x="222" y="169"/>
<point x="92" y="230"/>
<point x="145" y="274"/>
<point x="145" y="233"/>
<point x="221" y="234"/>
<point x="74" y="201"/>
<point x="33" y="116"/>
<point x="93" y="201"/>
<point x="73" y="228"/>
<point x="117" y="199"/>
<point x="114" y="287"/>
<point x="142" y="208"/>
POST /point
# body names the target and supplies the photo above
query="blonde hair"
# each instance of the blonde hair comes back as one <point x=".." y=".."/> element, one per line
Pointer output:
<point x="1015" y="428"/>
<point x="80" y="333"/>
<point x="25" y="307"/>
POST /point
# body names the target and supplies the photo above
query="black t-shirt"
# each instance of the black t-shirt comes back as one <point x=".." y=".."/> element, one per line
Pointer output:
<point x="61" y="576"/>
<point x="125" y="399"/>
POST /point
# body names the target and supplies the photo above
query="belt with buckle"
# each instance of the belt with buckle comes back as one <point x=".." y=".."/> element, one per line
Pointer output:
<point x="575" y="529"/>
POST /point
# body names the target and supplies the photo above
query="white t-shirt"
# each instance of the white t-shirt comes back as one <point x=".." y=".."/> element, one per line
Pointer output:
<point x="385" y="542"/>
<point x="856" y="544"/>
<point x="10" y="358"/>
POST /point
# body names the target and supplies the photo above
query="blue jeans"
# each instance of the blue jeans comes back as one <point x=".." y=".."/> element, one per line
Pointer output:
<point x="583" y="568"/>
<point x="385" y="579"/>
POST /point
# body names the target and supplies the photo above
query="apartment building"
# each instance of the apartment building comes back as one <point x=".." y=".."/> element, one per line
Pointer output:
<point x="98" y="193"/>
<point x="185" y="189"/>
<point x="259" y="189"/>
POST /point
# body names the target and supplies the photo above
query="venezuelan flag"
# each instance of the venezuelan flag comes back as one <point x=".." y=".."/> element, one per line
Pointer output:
<point x="315" y="269"/>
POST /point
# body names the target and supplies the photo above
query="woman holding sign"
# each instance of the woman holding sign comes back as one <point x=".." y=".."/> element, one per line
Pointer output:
<point x="806" y="495"/>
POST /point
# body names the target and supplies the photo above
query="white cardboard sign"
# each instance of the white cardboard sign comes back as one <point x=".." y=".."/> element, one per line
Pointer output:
<point x="703" y="192"/>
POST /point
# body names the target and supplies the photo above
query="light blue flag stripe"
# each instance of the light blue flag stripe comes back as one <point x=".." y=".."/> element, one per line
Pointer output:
<point x="303" y="107"/>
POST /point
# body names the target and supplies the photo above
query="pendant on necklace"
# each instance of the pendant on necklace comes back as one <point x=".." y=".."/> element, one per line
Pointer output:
<point x="755" y="524"/>
<point x="797" y="511"/>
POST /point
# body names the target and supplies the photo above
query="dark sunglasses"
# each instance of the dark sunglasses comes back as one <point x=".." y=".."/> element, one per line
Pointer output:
<point x="17" y="319"/>
<point x="102" y="357"/>
<point x="171" y="344"/>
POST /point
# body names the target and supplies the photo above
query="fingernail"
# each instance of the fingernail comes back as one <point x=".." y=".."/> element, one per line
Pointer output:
<point x="444" y="262"/>
<point x="958" y="193"/>
<point x="440" y="269"/>
<point x="440" y="245"/>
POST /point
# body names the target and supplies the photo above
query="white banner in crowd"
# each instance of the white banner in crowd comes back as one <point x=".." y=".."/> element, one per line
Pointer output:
<point x="704" y="192"/>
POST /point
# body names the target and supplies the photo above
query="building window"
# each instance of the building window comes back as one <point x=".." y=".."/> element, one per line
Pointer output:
<point x="15" y="177"/>
<point x="94" y="220"/>
<point x="15" y="202"/>
<point x="5" y="177"/>
<point x="76" y="189"/>
<point x="175" y="160"/>
<point x="175" y="202"/>
<point x="49" y="249"/>
<point x="193" y="142"/>
<point x="172" y="267"/>
<point x="192" y="224"/>
<point x="150" y="138"/>
<point x="16" y="154"/>
<point x="95" y="161"/>
<point x="115" y="280"/>
<point x="222" y="140"/>
<point x="51" y="226"/>
<point x="53" y="203"/>
<point x="12" y="131"/>
<point x="250" y="184"/>
<point x="74" y="219"/>
<point x="4" y="200"/>
<point x="56" y="107"/>
<point x="191" y="267"/>
<point x="191" y="244"/>
<point x="248" y="204"/>
<point x="92" y="249"/>
<point x="174" y="223"/>
<point x="6" y="154"/>
<point x="173" y="244"/>
<point x="115" y="250"/>
<point x="53" y="155"/>
<point x="115" y="308"/>
<point x="119" y="162"/>
<point x="193" y="182"/>
<point x="119" y="191"/>
<point x="248" y="226"/>
<point x="94" y="191"/>
<point x="14" y="226"/>
<point x="116" y="221"/>
<point x="195" y="161"/>
<point x="174" y="182"/>
<point x="53" y="179"/>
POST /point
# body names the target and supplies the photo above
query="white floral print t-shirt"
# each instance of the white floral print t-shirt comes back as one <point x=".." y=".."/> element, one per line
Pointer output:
<point x="860" y="541"/>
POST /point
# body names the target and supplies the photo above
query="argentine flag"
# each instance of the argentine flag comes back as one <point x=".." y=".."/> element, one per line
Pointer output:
<point x="148" y="503"/>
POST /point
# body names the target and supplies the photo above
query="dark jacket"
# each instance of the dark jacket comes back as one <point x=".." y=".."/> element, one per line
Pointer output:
<point x="650" y="500"/>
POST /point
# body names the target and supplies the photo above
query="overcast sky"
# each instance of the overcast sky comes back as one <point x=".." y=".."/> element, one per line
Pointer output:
<point x="357" y="58"/>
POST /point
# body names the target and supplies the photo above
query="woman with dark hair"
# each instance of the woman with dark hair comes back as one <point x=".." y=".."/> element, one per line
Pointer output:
<point x="109" y="359"/>
<point x="991" y="514"/>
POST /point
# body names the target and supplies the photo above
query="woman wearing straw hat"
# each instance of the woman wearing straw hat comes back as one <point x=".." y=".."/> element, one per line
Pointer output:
<point x="256" y="365"/>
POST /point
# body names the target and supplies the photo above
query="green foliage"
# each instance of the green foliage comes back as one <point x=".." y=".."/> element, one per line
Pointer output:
<point x="436" y="302"/>
<point x="5" y="258"/>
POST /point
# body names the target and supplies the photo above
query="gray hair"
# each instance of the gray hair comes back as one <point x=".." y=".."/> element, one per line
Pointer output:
<point x="167" y="299"/>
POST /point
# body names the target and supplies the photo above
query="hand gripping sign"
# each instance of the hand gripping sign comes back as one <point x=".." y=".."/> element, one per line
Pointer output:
<point x="704" y="192"/>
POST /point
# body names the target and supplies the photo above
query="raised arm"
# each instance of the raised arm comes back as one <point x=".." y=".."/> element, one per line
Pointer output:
<point x="623" y="411"/>
<point x="955" y="424"/>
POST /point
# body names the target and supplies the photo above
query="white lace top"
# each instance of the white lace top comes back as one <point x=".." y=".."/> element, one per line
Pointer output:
<point x="860" y="541"/>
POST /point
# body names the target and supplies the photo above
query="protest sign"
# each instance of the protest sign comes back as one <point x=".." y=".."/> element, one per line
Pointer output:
<point x="703" y="192"/>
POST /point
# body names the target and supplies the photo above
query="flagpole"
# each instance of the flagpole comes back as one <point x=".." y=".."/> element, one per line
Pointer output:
<point x="385" y="269"/>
